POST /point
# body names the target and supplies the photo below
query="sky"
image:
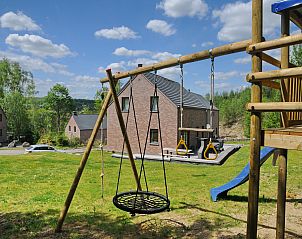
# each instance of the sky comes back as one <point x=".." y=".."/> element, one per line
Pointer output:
<point x="73" y="42"/>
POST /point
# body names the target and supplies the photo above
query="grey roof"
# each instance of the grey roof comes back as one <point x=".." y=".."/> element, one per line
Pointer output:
<point x="87" y="122"/>
<point x="172" y="90"/>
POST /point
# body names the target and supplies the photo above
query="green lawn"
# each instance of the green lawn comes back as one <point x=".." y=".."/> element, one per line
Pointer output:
<point x="33" y="189"/>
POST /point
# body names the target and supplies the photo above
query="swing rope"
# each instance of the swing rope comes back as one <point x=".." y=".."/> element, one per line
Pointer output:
<point x="210" y="145"/>
<point x="144" y="202"/>
<point x="102" y="168"/>
<point x="181" y="140"/>
<point x="131" y="102"/>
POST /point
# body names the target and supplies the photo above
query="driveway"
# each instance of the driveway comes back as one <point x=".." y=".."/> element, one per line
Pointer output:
<point x="12" y="151"/>
<point x="18" y="151"/>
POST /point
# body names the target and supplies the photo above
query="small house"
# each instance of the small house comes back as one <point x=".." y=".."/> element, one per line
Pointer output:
<point x="81" y="126"/>
<point x="196" y="114"/>
<point x="3" y="126"/>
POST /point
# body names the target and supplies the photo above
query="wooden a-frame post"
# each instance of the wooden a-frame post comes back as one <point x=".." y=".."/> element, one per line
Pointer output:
<point x="83" y="162"/>
<point x="123" y="127"/>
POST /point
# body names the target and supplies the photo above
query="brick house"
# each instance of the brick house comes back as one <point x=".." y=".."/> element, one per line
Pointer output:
<point x="81" y="126"/>
<point x="196" y="114"/>
<point x="3" y="127"/>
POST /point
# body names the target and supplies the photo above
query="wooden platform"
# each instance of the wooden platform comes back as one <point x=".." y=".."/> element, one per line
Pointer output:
<point x="284" y="138"/>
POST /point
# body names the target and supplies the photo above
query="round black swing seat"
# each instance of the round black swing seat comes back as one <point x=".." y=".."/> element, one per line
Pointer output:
<point x="141" y="202"/>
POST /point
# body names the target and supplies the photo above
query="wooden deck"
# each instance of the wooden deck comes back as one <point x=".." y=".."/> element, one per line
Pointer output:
<point x="284" y="138"/>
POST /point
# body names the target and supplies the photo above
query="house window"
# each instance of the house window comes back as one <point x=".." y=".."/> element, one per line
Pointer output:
<point x="74" y="129"/>
<point x="153" y="136"/>
<point x="69" y="128"/>
<point x="125" y="104"/>
<point x="1" y="132"/>
<point x="0" y="117"/>
<point x="154" y="104"/>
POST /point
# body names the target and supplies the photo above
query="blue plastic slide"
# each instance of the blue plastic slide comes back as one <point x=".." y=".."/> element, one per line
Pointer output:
<point x="242" y="177"/>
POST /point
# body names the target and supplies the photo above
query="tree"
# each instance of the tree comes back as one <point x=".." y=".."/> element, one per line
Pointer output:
<point x="60" y="102"/>
<point x="296" y="57"/>
<point x="14" y="105"/>
<point x="99" y="97"/>
<point x="16" y="89"/>
<point x="14" y="79"/>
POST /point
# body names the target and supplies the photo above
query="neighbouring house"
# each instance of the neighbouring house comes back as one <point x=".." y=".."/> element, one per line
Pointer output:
<point x="81" y="126"/>
<point x="3" y="127"/>
<point x="196" y="114"/>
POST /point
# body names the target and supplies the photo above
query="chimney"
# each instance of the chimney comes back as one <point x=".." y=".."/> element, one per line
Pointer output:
<point x="74" y="113"/>
<point x="139" y="65"/>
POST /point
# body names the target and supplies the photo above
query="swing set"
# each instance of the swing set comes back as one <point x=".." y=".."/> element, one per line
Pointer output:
<point x="287" y="79"/>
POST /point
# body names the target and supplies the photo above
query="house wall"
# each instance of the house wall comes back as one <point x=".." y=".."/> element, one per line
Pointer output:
<point x="198" y="118"/>
<point x="3" y="127"/>
<point x="142" y="91"/>
<point x="71" y="133"/>
<point x="83" y="135"/>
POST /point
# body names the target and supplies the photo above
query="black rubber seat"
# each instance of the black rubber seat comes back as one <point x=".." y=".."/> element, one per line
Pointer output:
<point x="141" y="202"/>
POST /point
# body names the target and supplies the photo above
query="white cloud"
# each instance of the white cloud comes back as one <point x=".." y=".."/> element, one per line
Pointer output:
<point x="18" y="22"/>
<point x="61" y="69"/>
<point x="28" y="62"/>
<point x="117" y="66"/>
<point x="181" y="8"/>
<point x="118" y="33"/>
<point x="38" y="46"/>
<point x="123" y="51"/>
<point x="36" y="64"/>
<point x="226" y="75"/>
<point x="172" y="73"/>
<point x="207" y="43"/>
<point x="236" y="20"/>
<point x="161" y="27"/>
<point x="86" y="79"/>
<point x="243" y="60"/>
<point x="162" y="56"/>
<point x="127" y="65"/>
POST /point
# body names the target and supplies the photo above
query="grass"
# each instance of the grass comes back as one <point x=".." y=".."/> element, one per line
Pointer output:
<point x="34" y="187"/>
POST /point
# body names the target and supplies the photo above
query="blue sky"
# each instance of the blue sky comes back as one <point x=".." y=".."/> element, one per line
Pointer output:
<point x="72" y="42"/>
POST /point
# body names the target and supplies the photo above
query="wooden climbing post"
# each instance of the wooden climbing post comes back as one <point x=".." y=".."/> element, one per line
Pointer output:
<point x="83" y="163"/>
<point x="255" y="133"/>
<point x="123" y="127"/>
<point x="282" y="172"/>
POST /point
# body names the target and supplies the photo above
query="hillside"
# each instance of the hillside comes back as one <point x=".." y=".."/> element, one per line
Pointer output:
<point x="234" y="119"/>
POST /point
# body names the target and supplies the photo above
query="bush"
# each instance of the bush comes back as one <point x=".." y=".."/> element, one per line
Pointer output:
<point x="48" y="138"/>
<point x="61" y="140"/>
<point x="74" y="142"/>
<point x="57" y="139"/>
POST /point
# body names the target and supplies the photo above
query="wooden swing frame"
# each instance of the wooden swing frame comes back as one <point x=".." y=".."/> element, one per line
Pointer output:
<point x="258" y="79"/>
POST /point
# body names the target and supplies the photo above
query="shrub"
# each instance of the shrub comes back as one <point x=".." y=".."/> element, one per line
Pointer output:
<point x="74" y="142"/>
<point x="61" y="140"/>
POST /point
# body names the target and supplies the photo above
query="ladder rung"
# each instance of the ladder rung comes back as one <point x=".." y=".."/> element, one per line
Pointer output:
<point x="275" y="106"/>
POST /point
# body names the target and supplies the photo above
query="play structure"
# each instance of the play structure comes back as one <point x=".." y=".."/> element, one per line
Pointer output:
<point x="287" y="79"/>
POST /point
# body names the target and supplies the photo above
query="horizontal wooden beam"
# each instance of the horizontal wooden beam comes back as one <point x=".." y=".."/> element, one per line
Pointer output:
<point x="275" y="107"/>
<point x="196" y="130"/>
<point x="275" y="74"/>
<point x="282" y="141"/>
<point x="202" y="55"/>
<point x="273" y="44"/>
